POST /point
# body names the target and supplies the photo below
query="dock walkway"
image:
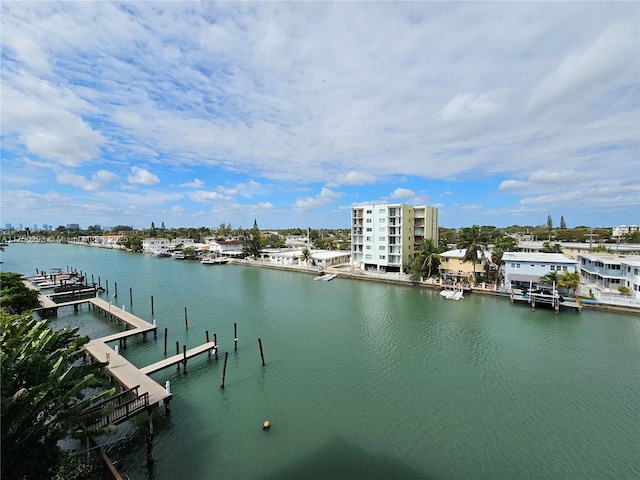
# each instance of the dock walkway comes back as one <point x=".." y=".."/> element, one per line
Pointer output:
<point x="179" y="358"/>
<point x="127" y="374"/>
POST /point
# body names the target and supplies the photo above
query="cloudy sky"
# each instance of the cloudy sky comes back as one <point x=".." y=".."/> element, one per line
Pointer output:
<point x="196" y="114"/>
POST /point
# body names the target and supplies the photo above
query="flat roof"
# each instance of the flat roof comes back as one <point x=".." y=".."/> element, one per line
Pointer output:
<point x="537" y="257"/>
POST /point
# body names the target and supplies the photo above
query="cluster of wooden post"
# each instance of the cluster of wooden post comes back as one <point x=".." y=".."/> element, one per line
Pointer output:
<point x="186" y="324"/>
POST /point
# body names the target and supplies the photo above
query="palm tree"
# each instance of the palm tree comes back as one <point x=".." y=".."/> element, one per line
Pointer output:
<point x="305" y="255"/>
<point x="569" y="280"/>
<point x="425" y="261"/>
<point x="550" y="278"/>
<point x="470" y="239"/>
<point x="46" y="386"/>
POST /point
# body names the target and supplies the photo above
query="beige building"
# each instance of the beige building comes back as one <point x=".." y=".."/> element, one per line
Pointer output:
<point x="453" y="268"/>
<point x="384" y="237"/>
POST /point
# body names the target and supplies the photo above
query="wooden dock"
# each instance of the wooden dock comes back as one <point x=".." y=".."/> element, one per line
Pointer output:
<point x="177" y="359"/>
<point x="127" y="374"/>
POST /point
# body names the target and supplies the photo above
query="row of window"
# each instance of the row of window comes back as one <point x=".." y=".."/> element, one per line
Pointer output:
<point x="553" y="267"/>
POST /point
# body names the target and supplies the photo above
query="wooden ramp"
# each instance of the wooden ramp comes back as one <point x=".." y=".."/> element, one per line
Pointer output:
<point x="129" y="318"/>
<point x="127" y="374"/>
<point x="176" y="359"/>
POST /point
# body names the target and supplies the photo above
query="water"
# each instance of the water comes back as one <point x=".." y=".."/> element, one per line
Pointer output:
<point x="365" y="380"/>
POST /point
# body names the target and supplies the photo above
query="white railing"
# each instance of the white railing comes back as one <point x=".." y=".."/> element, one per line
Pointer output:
<point x="616" y="299"/>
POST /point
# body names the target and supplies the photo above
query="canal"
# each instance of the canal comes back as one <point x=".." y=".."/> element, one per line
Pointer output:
<point x="364" y="379"/>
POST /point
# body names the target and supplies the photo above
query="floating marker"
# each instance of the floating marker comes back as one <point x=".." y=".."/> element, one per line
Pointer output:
<point x="167" y="386"/>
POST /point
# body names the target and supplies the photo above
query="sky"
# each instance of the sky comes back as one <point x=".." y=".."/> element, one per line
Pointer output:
<point x="290" y="113"/>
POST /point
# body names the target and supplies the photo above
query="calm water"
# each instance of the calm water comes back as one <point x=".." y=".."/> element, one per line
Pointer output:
<point x="366" y="380"/>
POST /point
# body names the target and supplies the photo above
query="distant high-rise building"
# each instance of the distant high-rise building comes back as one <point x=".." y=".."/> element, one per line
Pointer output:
<point x="385" y="237"/>
<point x="73" y="226"/>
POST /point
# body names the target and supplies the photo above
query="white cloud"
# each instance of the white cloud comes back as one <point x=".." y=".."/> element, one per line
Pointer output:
<point x="97" y="180"/>
<point x="588" y="71"/>
<point x="324" y="198"/>
<point x="205" y="196"/>
<point x="197" y="183"/>
<point x="142" y="176"/>
<point x="402" y="193"/>
<point x="354" y="178"/>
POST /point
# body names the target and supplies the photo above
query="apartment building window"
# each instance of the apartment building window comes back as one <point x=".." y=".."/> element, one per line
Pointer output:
<point x="368" y="239"/>
<point x="382" y="229"/>
<point x="382" y="257"/>
<point x="369" y="229"/>
<point x="369" y="212"/>
<point x="368" y="247"/>
<point x="368" y="220"/>
<point x="383" y="220"/>
<point x="382" y="247"/>
<point x="367" y="256"/>
<point x="513" y="265"/>
<point x="382" y="210"/>
<point x="382" y="239"/>
<point x="517" y="265"/>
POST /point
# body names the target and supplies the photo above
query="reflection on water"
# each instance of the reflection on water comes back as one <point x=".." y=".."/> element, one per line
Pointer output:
<point x="367" y="380"/>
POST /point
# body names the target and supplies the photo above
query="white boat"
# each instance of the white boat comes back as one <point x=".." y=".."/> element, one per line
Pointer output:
<point x="214" y="261"/>
<point x="326" y="277"/>
<point x="452" y="293"/>
<point x="177" y="255"/>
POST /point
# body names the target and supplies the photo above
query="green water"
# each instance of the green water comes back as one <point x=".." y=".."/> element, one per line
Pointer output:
<point x="366" y="380"/>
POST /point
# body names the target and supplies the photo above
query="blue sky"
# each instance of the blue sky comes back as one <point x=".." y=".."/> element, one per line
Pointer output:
<point x="197" y="114"/>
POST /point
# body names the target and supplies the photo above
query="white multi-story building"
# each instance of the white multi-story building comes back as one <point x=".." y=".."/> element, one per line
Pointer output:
<point x="384" y="236"/>
<point x="607" y="273"/>
<point x="624" y="230"/>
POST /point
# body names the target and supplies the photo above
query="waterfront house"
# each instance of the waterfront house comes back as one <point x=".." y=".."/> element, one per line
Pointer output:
<point x="522" y="269"/>
<point x="157" y="246"/>
<point x="606" y="273"/>
<point x="454" y="269"/>
<point x="229" y="248"/>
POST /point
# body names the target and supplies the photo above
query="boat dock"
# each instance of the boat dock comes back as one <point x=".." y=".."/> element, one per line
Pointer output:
<point x="179" y="358"/>
<point x="537" y="298"/>
<point x="130" y="377"/>
<point x="127" y="374"/>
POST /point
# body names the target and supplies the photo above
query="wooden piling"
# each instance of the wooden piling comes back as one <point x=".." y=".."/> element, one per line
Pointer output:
<point x="178" y="353"/>
<point x="165" y="340"/>
<point x="215" y="342"/>
<point x="186" y="321"/>
<point x="235" y="336"/>
<point x="130" y="296"/>
<point x="116" y="289"/>
<point x="92" y="278"/>
<point x="99" y="281"/>
<point x="184" y="361"/>
<point x="261" y="353"/>
<point x="152" y="305"/>
<point x="224" y="368"/>
<point x="107" y="285"/>
<point x="149" y="435"/>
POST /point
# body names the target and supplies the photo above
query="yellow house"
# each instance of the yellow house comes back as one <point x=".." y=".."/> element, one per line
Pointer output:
<point x="452" y="267"/>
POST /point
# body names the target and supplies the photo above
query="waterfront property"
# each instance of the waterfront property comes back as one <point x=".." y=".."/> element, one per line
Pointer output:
<point x="523" y="269"/>
<point x="607" y="273"/>
<point x="454" y="268"/>
<point x="384" y="237"/>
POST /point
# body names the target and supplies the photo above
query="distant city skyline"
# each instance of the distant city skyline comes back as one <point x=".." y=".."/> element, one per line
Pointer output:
<point x="197" y="114"/>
